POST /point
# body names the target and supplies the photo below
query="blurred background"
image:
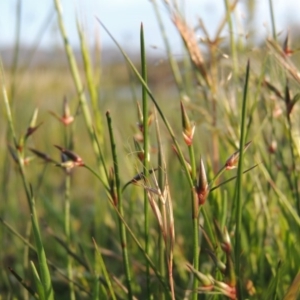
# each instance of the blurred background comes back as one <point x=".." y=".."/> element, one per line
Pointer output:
<point x="39" y="28"/>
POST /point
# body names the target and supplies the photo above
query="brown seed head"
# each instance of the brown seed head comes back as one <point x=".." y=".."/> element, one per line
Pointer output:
<point x="76" y="159"/>
<point x="202" y="185"/>
<point x="188" y="129"/>
<point x="234" y="158"/>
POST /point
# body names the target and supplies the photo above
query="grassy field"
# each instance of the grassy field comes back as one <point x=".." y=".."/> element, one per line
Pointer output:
<point x="125" y="180"/>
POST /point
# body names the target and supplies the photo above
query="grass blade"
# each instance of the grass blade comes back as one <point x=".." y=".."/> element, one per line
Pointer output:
<point x="238" y="200"/>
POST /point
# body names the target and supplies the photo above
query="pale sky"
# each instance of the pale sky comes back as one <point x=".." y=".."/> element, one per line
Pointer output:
<point x="123" y="19"/>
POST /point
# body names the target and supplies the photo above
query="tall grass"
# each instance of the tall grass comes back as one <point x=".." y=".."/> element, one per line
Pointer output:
<point x="203" y="204"/>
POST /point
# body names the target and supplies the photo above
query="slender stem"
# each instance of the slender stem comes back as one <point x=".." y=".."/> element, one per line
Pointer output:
<point x="164" y="119"/>
<point x="105" y="273"/>
<point x="158" y="275"/>
<point x="44" y="270"/>
<point x="272" y="20"/>
<point x="77" y="81"/>
<point x="238" y="199"/>
<point x="161" y="167"/>
<point x="26" y="256"/>
<point x="232" y="41"/>
<point x="68" y="234"/>
<point x="195" y="223"/>
<point x="122" y="228"/>
<point x="91" y="84"/>
<point x="195" y="242"/>
<point x="100" y="178"/>
<point x="146" y="155"/>
<point x="172" y="61"/>
<point x="26" y="242"/>
<point x="294" y="170"/>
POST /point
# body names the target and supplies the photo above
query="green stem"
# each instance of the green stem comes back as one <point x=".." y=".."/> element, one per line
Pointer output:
<point x="53" y="266"/>
<point x="105" y="274"/>
<point x="26" y="256"/>
<point x="44" y="270"/>
<point x="165" y="121"/>
<point x="195" y="248"/>
<point x="232" y="41"/>
<point x="151" y="263"/>
<point x="294" y="170"/>
<point x="195" y="223"/>
<point x="68" y="234"/>
<point x="91" y="84"/>
<point x="122" y="228"/>
<point x="146" y="155"/>
<point x="172" y="60"/>
<point x="77" y="81"/>
<point x="238" y="198"/>
<point x="272" y="20"/>
<point x="161" y="167"/>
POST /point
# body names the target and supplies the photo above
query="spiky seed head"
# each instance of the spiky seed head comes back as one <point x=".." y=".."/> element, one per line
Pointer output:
<point x="286" y="46"/>
<point x="139" y="150"/>
<point x="230" y="272"/>
<point x="31" y="128"/>
<point x="206" y="280"/>
<point x="66" y="118"/>
<point x="202" y="185"/>
<point x="34" y="118"/>
<point x="232" y="161"/>
<point x="42" y="155"/>
<point x="226" y="289"/>
<point x="75" y="158"/>
<point x="226" y="243"/>
<point x="223" y="237"/>
<point x="188" y="137"/>
<point x="272" y="147"/>
<point x="140" y="117"/>
<point x="188" y="129"/>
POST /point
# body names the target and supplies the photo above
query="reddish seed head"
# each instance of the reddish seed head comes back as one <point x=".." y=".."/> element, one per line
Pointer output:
<point x="31" y="130"/>
<point x="76" y="159"/>
<point x="202" y="185"/>
<point x="66" y="117"/>
<point x="234" y="158"/>
<point x="188" y="136"/>
<point x="272" y="147"/>
<point x="42" y="155"/>
<point x="188" y="129"/>
<point x="226" y="289"/>
<point x="286" y="47"/>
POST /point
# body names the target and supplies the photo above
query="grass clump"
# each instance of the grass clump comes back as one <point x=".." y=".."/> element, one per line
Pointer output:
<point x="200" y="200"/>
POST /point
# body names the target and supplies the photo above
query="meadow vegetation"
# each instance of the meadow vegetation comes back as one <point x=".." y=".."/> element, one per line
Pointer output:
<point x="138" y="180"/>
